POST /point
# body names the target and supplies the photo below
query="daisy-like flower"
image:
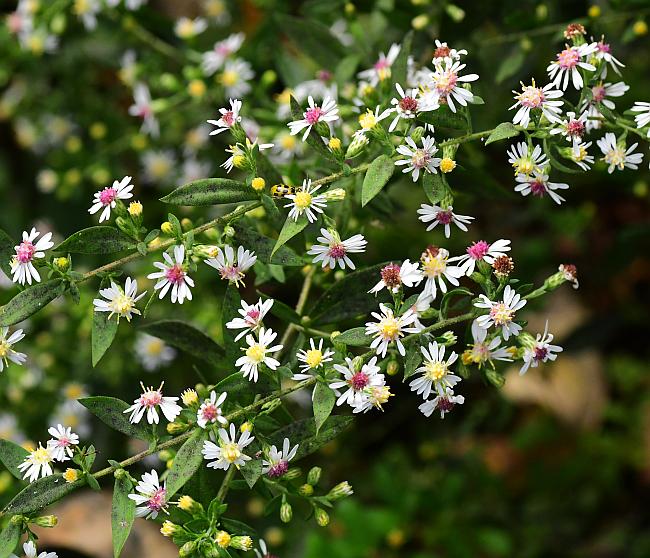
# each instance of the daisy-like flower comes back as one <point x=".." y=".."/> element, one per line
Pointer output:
<point x="142" y="107"/>
<point x="573" y="129"/>
<point x="419" y="158"/>
<point x="409" y="105"/>
<point x="390" y="328"/>
<point x="120" y="302"/>
<point x="582" y="157"/>
<point x="393" y="276"/>
<point x="436" y="271"/>
<point x="436" y="215"/>
<point x="258" y="352"/>
<point x="541" y="351"/>
<point x="568" y="64"/>
<point x="7" y="352"/>
<point x="106" y="199"/>
<point x="173" y="274"/>
<point x="368" y="120"/>
<point x="524" y="161"/>
<point x="37" y="464"/>
<point x="159" y="166"/>
<point x="381" y="69"/>
<point x="186" y="27"/>
<point x="238" y="153"/>
<point x="312" y="358"/>
<point x="229" y="117"/>
<point x="232" y="268"/>
<point x="286" y="147"/>
<point x="443" y="50"/>
<point x="436" y="375"/>
<point x="214" y="59"/>
<point x="482" y="351"/>
<point x="210" y="410"/>
<point x="375" y="398"/>
<point x="62" y="442"/>
<point x="305" y="200"/>
<point x="532" y="97"/>
<point x="235" y="77"/>
<point x="326" y="112"/>
<point x="446" y="83"/>
<point x="600" y="95"/>
<point x="277" y="462"/>
<point x="149" y="401"/>
<point x="481" y="251"/>
<point x="150" y="497"/>
<point x="539" y="185"/>
<point x="251" y="317"/>
<point x="501" y="313"/>
<point x="87" y="11"/>
<point x="333" y="250"/>
<point x="604" y="52"/>
<point x="357" y="382"/>
<point x="22" y="268"/>
<point x="229" y="451"/>
<point x="642" y="119"/>
<point x="618" y="157"/>
<point x="29" y="548"/>
<point x="152" y="352"/>
<point x="443" y="403"/>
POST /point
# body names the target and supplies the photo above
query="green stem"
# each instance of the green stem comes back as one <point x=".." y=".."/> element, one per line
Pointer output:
<point x="300" y="306"/>
<point x="225" y="484"/>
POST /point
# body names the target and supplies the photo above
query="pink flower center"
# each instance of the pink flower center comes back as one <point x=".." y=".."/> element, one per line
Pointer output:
<point x="446" y="81"/>
<point x="252" y="316"/>
<point x="210" y="413"/>
<point x="568" y="58"/>
<point x="575" y="128"/>
<point x="107" y="196"/>
<point x="390" y="276"/>
<point x="150" y="398"/>
<point x="598" y="92"/>
<point x="531" y="97"/>
<point x="144" y="111"/>
<point x="278" y="469"/>
<point x="421" y="158"/>
<point x="604" y="47"/>
<point x="444" y="217"/>
<point x="359" y="381"/>
<point x="382" y="64"/>
<point x="336" y="251"/>
<point x="478" y="250"/>
<point x="538" y="188"/>
<point x="157" y="500"/>
<point x="231" y="273"/>
<point x="540" y="353"/>
<point x="63" y="442"/>
<point x="25" y="251"/>
<point x="408" y="104"/>
<point x="324" y="75"/>
<point x="175" y="274"/>
<point x="228" y="118"/>
<point x="223" y="50"/>
<point x="313" y="115"/>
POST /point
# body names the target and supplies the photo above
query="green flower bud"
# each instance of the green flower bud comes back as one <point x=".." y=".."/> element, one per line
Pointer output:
<point x="392" y="367"/>
<point x="48" y="521"/>
<point x="357" y="146"/>
<point x="526" y="340"/>
<point x="229" y="231"/>
<point x="187" y="549"/>
<point x="293" y="473"/>
<point x="341" y="490"/>
<point x="190" y="505"/>
<point x="286" y="512"/>
<point x="449" y="338"/>
<point x="244" y="543"/>
<point x="175" y="428"/>
<point x="322" y="517"/>
<point x="417" y="134"/>
<point x="314" y="475"/>
<point x="322" y="129"/>
<point x="306" y="490"/>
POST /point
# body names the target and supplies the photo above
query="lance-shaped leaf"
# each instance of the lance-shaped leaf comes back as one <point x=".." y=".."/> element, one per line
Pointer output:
<point x="30" y="301"/>
<point x="444" y="117"/>
<point x="511" y="64"/>
<point x="413" y="360"/>
<point x="504" y="130"/>
<point x="9" y="538"/>
<point x="11" y="456"/>
<point x="103" y="333"/>
<point x="435" y="187"/>
<point x="313" y="38"/>
<point x="41" y="493"/>
<point x="6" y="252"/>
<point x="237" y="386"/>
<point x="290" y="229"/>
<point x="211" y="191"/>
<point x="187" y="338"/>
<point x="356" y="337"/>
<point x="97" y="240"/>
<point x="377" y="176"/>
<point x="122" y="513"/>
<point x="187" y="461"/>
<point x="252" y="471"/>
<point x="303" y="432"/>
<point x="263" y="246"/>
<point x="110" y="411"/>
<point x="399" y="67"/>
<point x="323" y="402"/>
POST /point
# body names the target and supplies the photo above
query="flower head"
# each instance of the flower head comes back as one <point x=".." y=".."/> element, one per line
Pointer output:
<point x="29" y="548"/>
<point x="150" y="497"/>
<point x="393" y="276"/>
<point x="231" y="268"/>
<point x="409" y="104"/>
<point x="62" y="442"/>
<point x="142" y="107"/>
<point x="539" y="185"/>
<point x="228" y="117"/>
<point x="568" y="65"/>
<point x="437" y="215"/>
<point x="37" y="463"/>
<point x="306" y="201"/>
<point x="483" y="351"/>
<point x="501" y="313"/>
<point x="257" y="353"/>
<point x="22" y="266"/>
<point x="381" y="69"/>
<point x="617" y="157"/>
<point x="443" y="50"/>
<point x="7" y="353"/>
<point x="643" y="118"/>
<point x="149" y="402"/>
<point x="481" y="251"/>
<point x="524" y="161"/>
<point x="531" y="97"/>
<point x="236" y="76"/>
<point x="214" y="59"/>
<point x="333" y="250"/>
<point x="436" y="270"/>
<point x="173" y="275"/>
<point x="251" y="317"/>
<point x="436" y="375"/>
<point x="418" y="158"/>
<point x="443" y="403"/>
<point x="106" y="199"/>
<point x="604" y="54"/>
<point x="210" y="410"/>
<point x="540" y="351"/>
<point x="389" y="329"/>
<point x="446" y="83"/>
<point x="120" y="302"/>
<point x="152" y="352"/>
<point x="326" y="112"/>
<point x="229" y="451"/>
<point x="312" y="359"/>
<point x="357" y="383"/>
<point x="276" y="463"/>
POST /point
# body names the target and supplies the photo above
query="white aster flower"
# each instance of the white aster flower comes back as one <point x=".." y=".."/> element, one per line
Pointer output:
<point x="604" y="52"/>
<point x="419" y="158"/>
<point x="568" y="65"/>
<point x="29" y="548"/>
<point x="437" y="215"/>
<point x="436" y="375"/>
<point x="572" y="129"/>
<point x="258" y="352"/>
<point x="481" y="251"/>
<point x="229" y="117"/>
<point x="501" y="313"/>
<point x="37" y="464"/>
<point x="150" y="497"/>
<point x="276" y="463"/>
<point x="152" y="352"/>
<point x="381" y="69"/>
<point x="229" y="451"/>
<point x="436" y="270"/>
<point x="582" y="158"/>
<point x="251" y="317"/>
<point x="120" y="302"/>
<point x="374" y="398"/>
<point x="187" y="28"/>
<point x="7" y="353"/>
<point x="443" y="50"/>
<point x="214" y="59"/>
<point x="369" y="119"/>
<point x="333" y="250"/>
<point x="389" y="329"/>
<point x="142" y="107"/>
<point x="532" y="97"/>
<point x="106" y="199"/>
<point x="312" y="359"/>
<point x="326" y="112"/>
<point x="357" y="382"/>
<point x="483" y="351"/>
<point x="541" y="351"/>
<point x="616" y="156"/>
<point x="305" y="200"/>
<point x="173" y="274"/>
<point x="232" y="268"/>
<point x="22" y="268"/>
<point x="409" y="105"/>
<point x="642" y="119"/>
<point x="194" y="169"/>
<point x="539" y="185"/>
<point x="159" y="166"/>
<point x="600" y="94"/>
<point x="444" y="403"/>
<point x="446" y="83"/>
<point x="87" y="11"/>
<point x="149" y="401"/>
<point x="285" y="147"/>
<point x="393" y="276"/>
<point x="524" y="161"/>
<point x="236" y="76"/>
<point x="62" y="442"/>
<point x="210" y="410"/>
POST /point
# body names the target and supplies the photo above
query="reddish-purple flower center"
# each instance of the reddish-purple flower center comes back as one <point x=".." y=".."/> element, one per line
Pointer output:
<point x="568" y="58"/>
<point x="337" y="251"/>
<point x="442" y="52"/>
<point x="144" y="111"/>
<point x="175" y="274"/>
<point x="278" y="469"/>
<point x="210" y="412"/>
<point x="359" y="381"/>
<point x="538" y="188"/>
<point x="253" y="315"/>
<point x="598" y="92"/>
<point x="228" y="118"/>
<point x="25" y="251"/>
<point x="107" y="196"/>
<point x="540" y="353"/>
<point x="324" y="75"/>
<point x="445" y="405"/>
<point x="444" y="217"/>
<point x="575" y="128"/>
<point x="157" y="500"/>
<point x="408" y="104"/>
<point x="604" y="47"/>
<point x="390" y="276"/>
<point x="313" y="115"/>
<point x="478" y="250"/>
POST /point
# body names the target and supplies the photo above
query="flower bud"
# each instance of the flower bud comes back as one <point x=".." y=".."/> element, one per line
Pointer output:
<point x="62" y="264"/>
<point x="420" y="22"/>
<point x="336" y="194"/>
<point x="322" y="129"/>
<point x="417" y="134"/>
<point x="167" y="228"/>
<point x="242" y="542"/>
<point x="72" y="475"/>
<point x="293" y="473"/>
<point x="186" y="224"/>
<point x="187" y="549"/>
<point x="222" y="539"/>
<point x="169" y="529"/>
<point x="322" y="517"/>
<point x="246" y="426"/>
<point x="526" y="340"/>
<point x="392" y="367"/>
<point x="341" y="490"/>
<point x="228" y="231"/>
<point x="357" y="363"/>
<point x="196" y="88"/>
<point x="190" y="505"/>
<point x="165" y="455"/>
<point x="449" y="338"/>
<point x="189" y="397"/>
<point x="314" y="475"/>
<point x="176" y="428"/>
<point x="335" y="145"/>
<point x="135" y="209"/>
<point x="286" y="513"/>
<point x="258" y="183"/>
<point x="269" y="77"/>
<point x="640" y="27"/>
<point x="118" y="474"/>
<point x="447" y="165"/>
<point x="357" y="146"/>
<point x="16" y="519"/>
<point x="47" y="521"/>
<point x="306" y="490"/>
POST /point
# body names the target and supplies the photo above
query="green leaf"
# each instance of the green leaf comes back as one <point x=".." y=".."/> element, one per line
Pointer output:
<point x="263" y="246"/>
<point x="290" y="229"/>
<point x="323" y="402"/>
<point x="313" y="38"/>
<point x="6" y="252"/>
<point x="211" y="191"/>
<point x="30" y="301"/>
<point x="399" y="67"/>
<point x="9" y="539"/>
<point x="303" y="432"/>
<point x="187" y="338"/>
<point x="282" y="310"/>
<point x="110" y="411"/>
<point x="443" y="117"/>
<point x="444" y="303"/>
<point x="97" y="240"/>
<point x="229" y="310"/>
<point x="355" y="337"/>
<point x="187" y="461"/>
<point x="377" y="176"/>
<point x="103" y="333"/>
<point x="435" y="187"/>
<point x="122" y="513"/>
<point x="41" y="493"/>
<point x="251" y="472"/>
<point x="349" y="297"/>
<point x="413" y="360"/>
<point x="237" y="386"/>
<point x="11" y="456"/>
<point x="510" y="65"/>
<point x="503" y="131"/>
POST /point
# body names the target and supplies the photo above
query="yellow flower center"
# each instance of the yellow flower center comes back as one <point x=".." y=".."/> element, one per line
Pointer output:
<point x="41" y="456"/>
<point x="154" y="347"/>
<point x="389" y="328"/>
<point x="433" y="266"/>
<point x="582" y="153"/>
<point x="186" y="28"/>
<point x="368" y="120"/>
<point x="81" y="7"/>
<point x="159" y="167"/>
<point x="447" y="165"/>
<point x="74" y="391"/>
<point x="501" y="314"/>
<point x="288" y="142"/>
<point x="313" y="358"/>
<point x="229" y="78"/>
<point x="122" y="304"/>
<point x="71" y="475"/>
<point x="4" y="348"/>
<point x="36" y="44"/>
<point x="435" y="370"/>
<point x="239" y="161"/>
<point x="214" y="8"/>
<point x="256" y="353"/>
<point x="303" y="199"/>
<point x="196" y="88"/>
<point x="70" y="420"/>
<point x="222" y="539"/>
<point x="231" y="452"/>
<point x="523" y="166"/>
<point x="258" y="183"/>
<point x="616" y="157"/>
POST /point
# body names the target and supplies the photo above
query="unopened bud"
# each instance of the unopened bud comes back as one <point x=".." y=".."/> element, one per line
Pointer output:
<point x="336" y="194"/>
<point x="357" y="363"/>
<point x="449" y="338"/>
<point x="62" y="264"/>
<point x="447" y="165"/>
<point x="165" y="455"/>
<point x="306" y="490"/>
<point x="189" y="397"/>
<point x="322" y="517"/>
<point x="223" y="539"/>
<point x="258" y="183"/>
<point x="187" y="549"/>
<point x="190" y="505"/>
<point x="503" y="266"/>
<point x="314" y="475"/>
<point x="293" y="473"/>
<point x="286" y="512"/>
<point x="417" y="134"/>
<point x="335" y="144"/>
<point x="420" y="22"/>
<point x="167" y="228"/>
<point x="357" y="146"/>
<point x="246" y="426"/>
<point x="322" y="129"/>
<point x="186" y="224"/>
<point x="341" y="490"/>
<point x="243" y="542"/>
<point x="169" y="529"/>
<point x="526" y="340"/>
<point x="228" y="231"/>
<point x="118" y="474"/>
<point x="176" y="428"/>
<point x="47" y="521"/>
<point x="392" y="367"/>
<point x="135" y="209"/>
